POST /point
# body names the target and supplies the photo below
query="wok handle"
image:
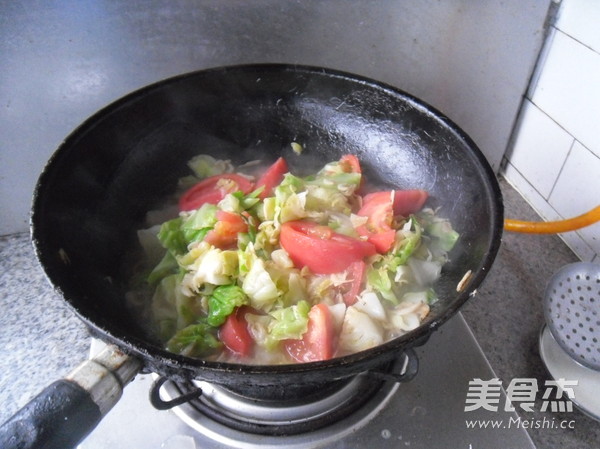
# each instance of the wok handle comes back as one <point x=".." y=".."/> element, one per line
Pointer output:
<point x="65" y="412"/>
<point x="59" y="417"/>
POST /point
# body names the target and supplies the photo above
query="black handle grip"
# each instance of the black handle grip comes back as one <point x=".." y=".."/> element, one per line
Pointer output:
<point x="57" y="418"/>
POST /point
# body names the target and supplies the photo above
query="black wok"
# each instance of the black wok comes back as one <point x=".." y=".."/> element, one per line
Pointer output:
<point x="124" y="160"/>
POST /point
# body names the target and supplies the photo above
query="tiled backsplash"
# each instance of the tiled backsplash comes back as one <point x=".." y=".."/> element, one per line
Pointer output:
<point x="554" y="160"/>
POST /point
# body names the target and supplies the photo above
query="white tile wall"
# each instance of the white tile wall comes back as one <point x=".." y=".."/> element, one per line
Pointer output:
<point x="578" y="189"/>
<point x="580" y="19"/>
<point x="568" y="89"/>
<point x="555" y="157"/>
<point x="540" y="149"/>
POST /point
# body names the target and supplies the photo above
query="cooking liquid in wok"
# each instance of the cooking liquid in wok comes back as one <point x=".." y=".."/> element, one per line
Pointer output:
<point x="255" y="265"/>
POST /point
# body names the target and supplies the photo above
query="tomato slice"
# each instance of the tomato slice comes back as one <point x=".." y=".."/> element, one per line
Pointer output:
<point x="234" y="333"/>
<point x="408" y="202"/>
<point x="225" y="232"/>
<point x="213" y="189"/>
<point x="378" y="207"/>
<point x="320" y="249"/>
<point x="317" y="342"/>
<point x="355" y="276"/>
<point x="350" y="164"/>
<point x="381" y="207"/>
<point x="272" y="177"/>
<point x="383" y="241"/>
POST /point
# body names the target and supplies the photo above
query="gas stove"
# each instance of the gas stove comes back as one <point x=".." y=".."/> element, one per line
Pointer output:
<point x="427" y="412"/>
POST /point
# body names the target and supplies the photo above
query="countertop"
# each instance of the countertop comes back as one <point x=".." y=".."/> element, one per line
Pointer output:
<point x="41" y="340"/>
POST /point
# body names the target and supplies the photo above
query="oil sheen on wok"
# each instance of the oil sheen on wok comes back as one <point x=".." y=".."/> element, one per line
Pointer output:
<point x="256" y="265"/>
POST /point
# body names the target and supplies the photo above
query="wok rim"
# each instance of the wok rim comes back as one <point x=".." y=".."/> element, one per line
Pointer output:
<point x="154" y="356"/>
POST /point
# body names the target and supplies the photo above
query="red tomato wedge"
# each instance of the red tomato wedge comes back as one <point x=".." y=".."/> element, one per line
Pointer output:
<point x="320" y="249"/>
<point x="408" y="202"/>
<point x="350" y="164"/>
<point x="355" y="276"/>
<point x="225" y="233"/>
<point x="378" y="207"/>
<point x="234" y="333"/>
<point x="383" y="241"/>
<point x="381" y="207"/>
<point x="317" y="342"/>
<point x="272" y="177"/>
<point x="213" y="189"/>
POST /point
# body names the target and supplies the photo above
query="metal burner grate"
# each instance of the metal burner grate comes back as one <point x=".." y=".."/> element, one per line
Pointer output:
<point x="231" y="418"/>
<point x="281" y="417"/>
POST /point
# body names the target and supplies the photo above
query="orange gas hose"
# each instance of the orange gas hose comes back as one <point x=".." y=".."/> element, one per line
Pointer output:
<point x="553" y="227"/>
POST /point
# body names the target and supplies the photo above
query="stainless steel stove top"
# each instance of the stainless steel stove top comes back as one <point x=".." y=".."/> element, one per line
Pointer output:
<point x="427" y="412"/>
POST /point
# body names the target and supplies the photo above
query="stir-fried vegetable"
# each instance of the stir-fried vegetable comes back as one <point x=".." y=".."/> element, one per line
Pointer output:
<point x="282" y="268"/>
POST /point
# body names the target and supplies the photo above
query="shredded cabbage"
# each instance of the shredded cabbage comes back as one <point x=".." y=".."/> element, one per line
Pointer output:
<point x="204" y="166"/>
<point x="223" y="301"/>
<point x="197" y="285"/>
<point x="359" y="332"/>
<point x="289" y="322"/>
<point x="206" y="264"/>
<point x="195" y="340"/>
<point x="257" y="283"/>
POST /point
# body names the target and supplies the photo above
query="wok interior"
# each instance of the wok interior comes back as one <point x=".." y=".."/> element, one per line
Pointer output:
<point x="126" y="159"/>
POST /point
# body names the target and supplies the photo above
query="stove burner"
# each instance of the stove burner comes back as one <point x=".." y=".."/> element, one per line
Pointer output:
<point x="287" y="417"/>
<point x="231" y="418"/>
